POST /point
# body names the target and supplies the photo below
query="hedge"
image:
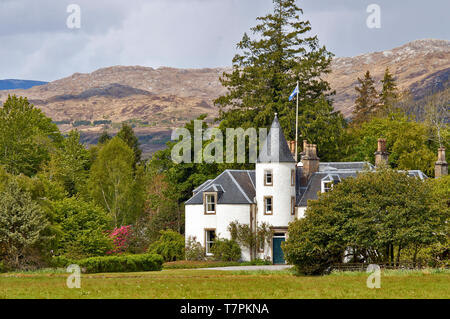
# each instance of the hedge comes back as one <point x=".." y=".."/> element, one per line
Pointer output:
<point x="127" y="263"/>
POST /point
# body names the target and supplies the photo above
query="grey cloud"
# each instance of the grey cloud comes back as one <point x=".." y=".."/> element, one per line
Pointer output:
<point x="36" y="43"/>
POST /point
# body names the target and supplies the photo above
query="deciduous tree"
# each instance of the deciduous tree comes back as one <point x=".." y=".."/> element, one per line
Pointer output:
<point x="26" y="136"/>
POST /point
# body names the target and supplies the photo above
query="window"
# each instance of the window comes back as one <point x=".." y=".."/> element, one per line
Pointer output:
<point x="327" y="186"/>
<point x="329" y="181"/>
<point x="293" y="177"/>
<point x="268" y="205"/>
<point x="292" y="205"/>
<point x="210" y="203"/>
<point x="268" y="177"/>
<point x="210" y="235"/>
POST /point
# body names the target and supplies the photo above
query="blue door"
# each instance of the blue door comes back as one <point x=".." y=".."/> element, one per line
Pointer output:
<point x="278" y="256"/>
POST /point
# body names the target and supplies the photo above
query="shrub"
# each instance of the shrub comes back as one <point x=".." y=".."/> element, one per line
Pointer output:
<point x="256" y="262"/>
<point x="226" y="250"/>
<point x="371" y="218"/>
<point x="170" y="246"/>
<point x="121" y="238"/>
<point x="60" y="261"/>
<point x="80" y="123"/>
<point x="100" y="122"/>
<point x="126" y="263"/>
<point x="194" y="250"/>
<point x="83" y="229"/>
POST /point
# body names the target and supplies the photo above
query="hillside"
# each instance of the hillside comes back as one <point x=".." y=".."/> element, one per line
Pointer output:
<point x="421" y="66"/>
<point x="156" y="100"/>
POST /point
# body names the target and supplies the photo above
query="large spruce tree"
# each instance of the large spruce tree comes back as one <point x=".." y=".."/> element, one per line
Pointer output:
<point x="366" y="104"/>
<point x="126" y="133"/>
<point x="266" y="70"/>
<point x="389" y="93"/>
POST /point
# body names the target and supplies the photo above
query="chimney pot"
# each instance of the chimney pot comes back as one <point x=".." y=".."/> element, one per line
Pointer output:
<point x="441" y="166"/>
<point x="381" y="145"/>
<point x="441" y="154"/>
<point x="292" y="147"/>
<point x="381" y="156"/>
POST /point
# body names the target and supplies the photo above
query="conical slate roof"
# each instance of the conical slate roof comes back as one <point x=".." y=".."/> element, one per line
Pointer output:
<point x="275" y="148"/>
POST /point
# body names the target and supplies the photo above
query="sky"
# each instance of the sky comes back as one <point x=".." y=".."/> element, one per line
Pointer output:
<point x="37" y="44"/>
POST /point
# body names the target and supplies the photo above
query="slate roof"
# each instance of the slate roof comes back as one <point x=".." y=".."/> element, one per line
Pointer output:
<point x="333" y="166"/>
<point x="232" y="187"/>
<point x="315" y="185"/>
<point x="268" y="152"/>
<point x="332" y="170"/>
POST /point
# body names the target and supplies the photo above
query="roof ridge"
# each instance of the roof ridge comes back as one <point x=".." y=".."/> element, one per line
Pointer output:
<point x="307" y="186"/>
<point x="251" y="181"/>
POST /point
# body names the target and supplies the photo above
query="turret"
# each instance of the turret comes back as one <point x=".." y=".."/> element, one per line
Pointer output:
<point x="275" y="179"/>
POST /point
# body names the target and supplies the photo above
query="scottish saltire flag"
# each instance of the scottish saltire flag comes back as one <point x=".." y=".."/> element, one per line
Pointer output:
<point x="293" y="93"/>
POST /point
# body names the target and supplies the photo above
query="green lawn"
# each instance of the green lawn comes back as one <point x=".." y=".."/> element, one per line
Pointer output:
<point x="225" y="284"/>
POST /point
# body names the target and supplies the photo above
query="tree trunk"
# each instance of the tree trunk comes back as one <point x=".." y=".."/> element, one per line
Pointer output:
<point x="416" y="250"/>
<point x="386" y="257"/>
<point x="392" y="255"/>
<point x="398" y="254"/>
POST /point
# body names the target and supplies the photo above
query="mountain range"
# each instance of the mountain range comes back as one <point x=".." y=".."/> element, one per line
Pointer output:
<point x="13" y="84"/>
<point x="154" y="101"/>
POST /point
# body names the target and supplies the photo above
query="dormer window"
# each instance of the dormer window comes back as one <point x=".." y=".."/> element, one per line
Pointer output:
<point x="327" y="186"/>
<point x="329" y="181"/>
<point x="268" y="177"/>
<point x="210" y="202"/>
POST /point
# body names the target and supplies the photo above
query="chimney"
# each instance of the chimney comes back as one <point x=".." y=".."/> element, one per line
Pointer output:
<point x="381" y="156"/>
<point x="441" y="166"/>
<point x="291" y="145"/>
<point x="305" y="145"/>
<point x="310" y="162"/>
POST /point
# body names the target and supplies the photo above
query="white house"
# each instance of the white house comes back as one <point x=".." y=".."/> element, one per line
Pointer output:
<point x="276" y="192"/>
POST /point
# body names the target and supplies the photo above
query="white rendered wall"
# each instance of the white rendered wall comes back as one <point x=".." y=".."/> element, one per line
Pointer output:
<point x="196" y="222"/>
<point x="281" y="191"/>
<point x="301" y="212"/>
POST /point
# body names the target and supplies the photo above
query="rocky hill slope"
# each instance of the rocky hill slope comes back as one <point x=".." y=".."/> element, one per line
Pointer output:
<point x="156" y="100"/>
<point x="421" y="66"/>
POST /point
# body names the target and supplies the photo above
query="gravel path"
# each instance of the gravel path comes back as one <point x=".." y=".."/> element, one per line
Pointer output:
<point x="263" y="267"/>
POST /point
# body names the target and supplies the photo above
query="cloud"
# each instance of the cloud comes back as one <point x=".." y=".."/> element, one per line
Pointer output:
<point x="36" y="44"/>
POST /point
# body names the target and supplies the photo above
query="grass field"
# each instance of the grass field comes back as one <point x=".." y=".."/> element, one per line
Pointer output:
<point x="225" y="284"/>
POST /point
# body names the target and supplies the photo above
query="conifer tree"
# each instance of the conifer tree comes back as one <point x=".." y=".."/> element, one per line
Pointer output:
<point x="266" y="69"/>
<point x="366" y="103"/>
<point x="104" y="138"/>
<point x="127" y="135"/>
<point x="22" y="223"/>
<point x="389" y="93"/>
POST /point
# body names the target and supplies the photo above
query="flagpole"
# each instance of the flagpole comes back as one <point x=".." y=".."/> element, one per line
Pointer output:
<point x="296" y="130"/>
